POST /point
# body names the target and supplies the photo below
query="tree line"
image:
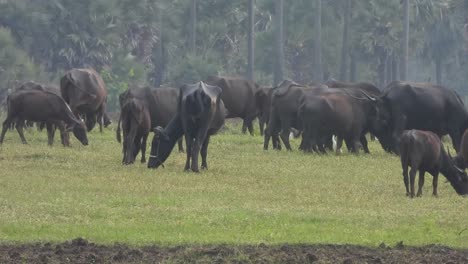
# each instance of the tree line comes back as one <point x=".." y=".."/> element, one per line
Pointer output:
<point x="159" y="42"/>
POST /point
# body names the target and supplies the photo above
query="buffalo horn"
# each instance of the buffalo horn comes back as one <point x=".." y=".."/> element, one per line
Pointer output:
<point x="458" y="169"/>
<point x="368" y="96"/>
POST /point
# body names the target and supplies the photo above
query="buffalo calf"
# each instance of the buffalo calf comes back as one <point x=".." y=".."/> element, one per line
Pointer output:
<point x="423" y="151"/>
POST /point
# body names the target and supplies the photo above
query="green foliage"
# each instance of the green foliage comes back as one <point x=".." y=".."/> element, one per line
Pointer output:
<point x="15" y="65"/>
<point x="61" y="34"/>
<point x="192" y="68"/>
<point x="248" y="196"/>
<point x="124" y="73"/>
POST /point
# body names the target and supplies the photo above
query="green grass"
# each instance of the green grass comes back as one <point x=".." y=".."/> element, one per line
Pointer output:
<point x="247" y="196"/>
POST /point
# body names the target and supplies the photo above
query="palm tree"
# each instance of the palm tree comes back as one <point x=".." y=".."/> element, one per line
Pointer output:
<point x="318" y="72"/>
<point x="279" y="67"/>
<point x="193" y="30"/>
<point x="405" y="57"/>
<point x="344" y="47"/>
<point x="251" y="40"/>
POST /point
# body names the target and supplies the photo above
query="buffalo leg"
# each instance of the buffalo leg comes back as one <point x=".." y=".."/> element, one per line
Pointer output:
<point x="406" y="179"/>
<point x="195" y="152"/>
<point x="329" y="142"/>
<point x="199" y="140"/>
<point x="180" y="145"/>
<point x="434" y="184"/>
<point x="188" y="146"/>
<point x="412" y="179"/>
<point x="50" y="133"/>
<point x="204" y="153"/>
<point x="339" y="145"/>
<point x="284" y="134"/>
<point x="285" y="138"/>
<point x="244" y="127"/>
<point x="6" y="125"/>
<point x="64" y="136"/>
<point x="143" y="148"/>
<point x="129" y="140"/>
<point x="421" y="183"/>
<point x="136" y="147"/>
<point x="261" y="126"/>
<point x="364" y="143"/>
<point x="19" y="128"/>
<point x="247" y="124"/>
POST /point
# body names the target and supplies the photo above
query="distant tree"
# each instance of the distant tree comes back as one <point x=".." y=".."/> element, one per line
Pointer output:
<point x="344" y="48"/>
<point x="193" y="26"/>
<point x="279" y="33"/>
<point x="405" y="40"/>
<point x="251" y="40"/>
<point x="317" y="69"/>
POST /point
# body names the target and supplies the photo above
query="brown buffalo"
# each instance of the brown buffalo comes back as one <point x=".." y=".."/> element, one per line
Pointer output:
<point x="423" y="151"/>
<point x="84" y="90"/>
<point x="42" y="106"/>
<point x="157" y="104"/>
<point x="240" y="97"/>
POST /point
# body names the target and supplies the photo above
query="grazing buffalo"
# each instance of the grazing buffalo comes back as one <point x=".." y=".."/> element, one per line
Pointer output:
<point x="42" y="106"/>
<point x="423" y="151"/>
<point x="424" y="106"/>
<point x="161" y="106"/>
<point x="200" y="114"/>
<point x="240" y="97"/>
<point x="84" y="90"/>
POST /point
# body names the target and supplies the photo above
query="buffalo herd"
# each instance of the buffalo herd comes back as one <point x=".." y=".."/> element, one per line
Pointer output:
<point x="407" y="118"/>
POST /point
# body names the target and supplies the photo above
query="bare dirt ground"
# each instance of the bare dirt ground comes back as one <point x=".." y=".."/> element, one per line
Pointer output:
<point x="81" y="251"/>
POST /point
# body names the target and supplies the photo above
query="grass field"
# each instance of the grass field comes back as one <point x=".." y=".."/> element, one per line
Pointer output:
<point x="248" y="196"/>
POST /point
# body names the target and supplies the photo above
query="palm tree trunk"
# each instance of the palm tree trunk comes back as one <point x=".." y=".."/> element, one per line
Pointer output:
<point x="251" y="41"/>
<point x="353" y="68"/>
<point x="344" y="47"/>
<point x="160" y="63"/>
<point x="438" y="64"/>
<point x="405" y="57"/>
<point x="193" y="30"/>
<point x="279" y="68"/>
<point x="318" y="76"/>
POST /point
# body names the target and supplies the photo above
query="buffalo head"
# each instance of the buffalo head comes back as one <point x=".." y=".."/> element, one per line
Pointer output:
<point x="79" y="130"/>
<point x="161" y="147"/>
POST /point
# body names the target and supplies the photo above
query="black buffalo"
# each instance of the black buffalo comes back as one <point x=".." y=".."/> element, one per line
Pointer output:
<point x="240" y="97"/>
<point x="42" y="106"/>
<point x="85" y="91"/>
<point x="423" y="106"/>
<point x="160" y="104"/>
<point x="200" y="114"/>
<point x="136" y="125"/>
<point x="285" y="102"/>
<point x="423" y="151"/>
<point x="462" y="157"/>
<point x="344" y="113"/>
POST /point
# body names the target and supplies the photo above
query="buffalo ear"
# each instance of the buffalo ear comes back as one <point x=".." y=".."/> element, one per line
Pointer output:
<point x="458" y="169"/>
<point x="69" y="128"/>
<point x="159" y="132"/>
